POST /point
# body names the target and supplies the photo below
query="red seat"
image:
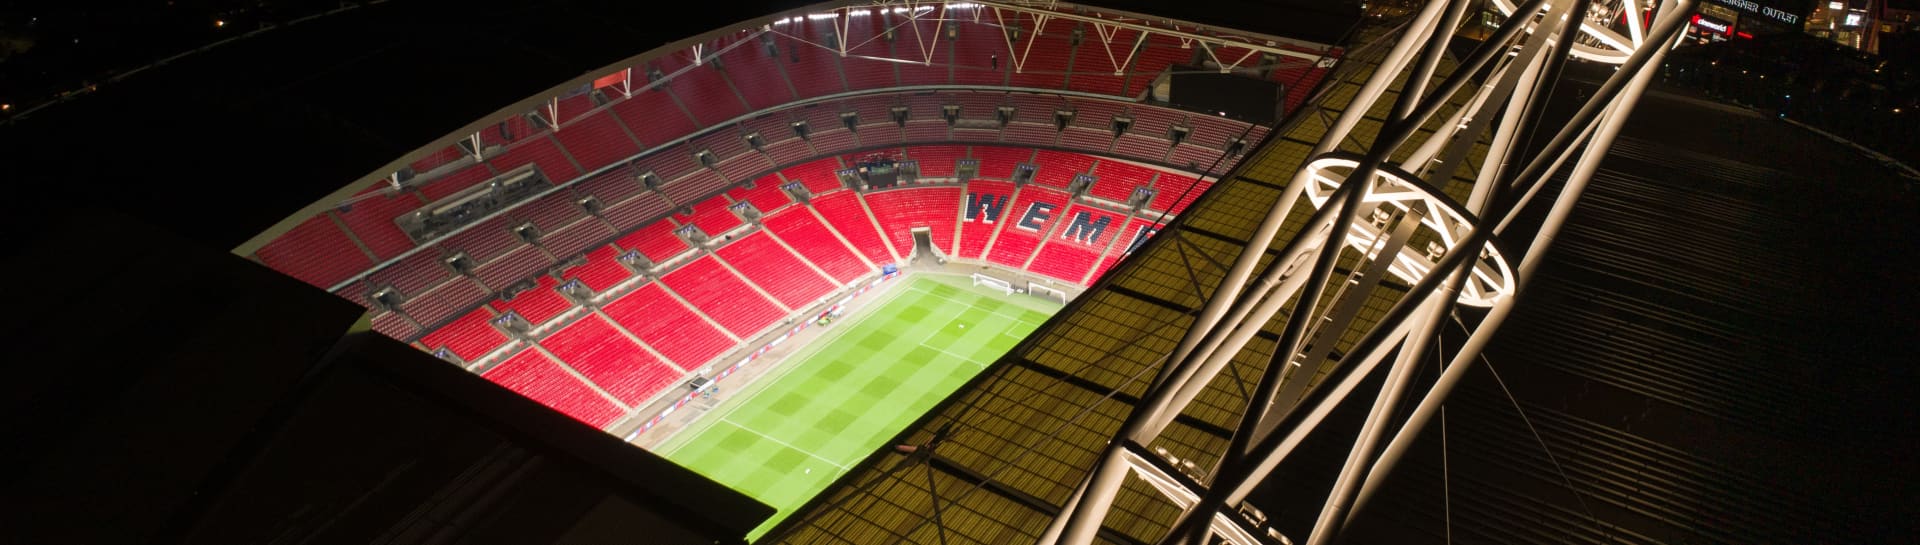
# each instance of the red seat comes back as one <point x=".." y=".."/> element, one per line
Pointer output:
<point x="902" y="210"/>
<point x="722" y="295"/>
<point x="798" y="227"/>
<point x="532" y="374"/>
<point x="662" y="322"/>
<point x="767" y="264"/>
<point x="619" y="366"/>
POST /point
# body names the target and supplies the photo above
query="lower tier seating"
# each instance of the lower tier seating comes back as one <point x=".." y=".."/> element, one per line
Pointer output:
<point x="530" y="373"/>
<point x="799" y="228"/>
<point x="662" y="322"/>
<point x="718" y="293"/>
<point x="611" y="360"/>
<point x="771" y="266"/>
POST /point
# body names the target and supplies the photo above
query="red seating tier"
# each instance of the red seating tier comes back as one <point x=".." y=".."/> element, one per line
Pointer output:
<point x="936" y="161"/>
<point x="799" y="228"/>
<point x="484" y="241"/>
<point x="517" y="265"/>
<point x="1057" y="168"/>
<point x="637" y="210"/>
<point x="764" y="262"/>
<point x="1171" y="188"/>
<point x="1062" y="261"/>
<point x="766" y="195"/>
<point x="757" y="75"/>
<point x="601" y="272"/>
<point x="317" y="252"/>
<point x="813" y="70"/>
<point x="537" y="305"/>
<point x="596" y="141"/>
<point x="711" y="216"/>
<point x="788" y="151"/>
<point x="371" y="215"/>
<point x="611" y="186"/>
<point x="434" y="159"/>
<point x="538" y="150"/>
<point x="654" y="240"/>
<point x="413" y="274"/>
<point x="819" y="175"/>
<point x="694" y="186"/>
<point x="610" y="360"/>
<point x="685" y="338"/>
<point x="576" y="238"/>
<point x="533" y="375"/>
<point x="1093" y="65"/>
<point x="469" y="336"/>
<point x="1030" y="218"/>
<point x="1044" y="64"/>
<point x="902" y="210"/>
<point x="1117" y="180"/>
<point x="653" y="117"/>
<point x="702" y="90"/>
<point x="845" y="213"/>
<point x="726" y="298"/>
<point x="745" y="165"/>
<point x="433" y="307"/>
<point x="1161" y="52"/>
<point x="550" y="212"/>
<point x="395" y="326"/>
<point x="982" y="211"/>
<point x="455" y="181"/>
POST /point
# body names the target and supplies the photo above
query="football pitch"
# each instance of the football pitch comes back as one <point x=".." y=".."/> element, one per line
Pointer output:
<point x="790" y="433"/>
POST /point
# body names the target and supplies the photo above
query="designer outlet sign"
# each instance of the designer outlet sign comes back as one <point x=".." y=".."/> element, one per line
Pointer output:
<point x="1770" y="12"/>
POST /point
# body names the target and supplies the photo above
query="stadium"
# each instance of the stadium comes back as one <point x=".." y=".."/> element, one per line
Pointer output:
<point x="994" y="272"/>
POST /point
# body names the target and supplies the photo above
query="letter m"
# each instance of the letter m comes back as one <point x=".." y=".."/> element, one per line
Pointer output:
<point x="1087" y="232"/>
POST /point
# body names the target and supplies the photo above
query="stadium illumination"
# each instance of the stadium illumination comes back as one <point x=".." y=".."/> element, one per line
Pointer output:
<point x="1463" y="264"/>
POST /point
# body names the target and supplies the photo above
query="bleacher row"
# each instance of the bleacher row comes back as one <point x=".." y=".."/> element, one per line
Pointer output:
<point x="630" y="331"/>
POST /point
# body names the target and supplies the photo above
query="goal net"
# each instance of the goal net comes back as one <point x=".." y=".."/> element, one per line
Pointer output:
<point x="993" y="283"/>
<point x="1044" y="292"/>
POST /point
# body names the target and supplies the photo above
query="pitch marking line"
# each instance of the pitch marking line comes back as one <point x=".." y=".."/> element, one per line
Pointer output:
<point x="784" y="444"/>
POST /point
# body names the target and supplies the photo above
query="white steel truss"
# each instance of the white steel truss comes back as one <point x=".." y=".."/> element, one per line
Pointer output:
<point x="1379" y="208"/>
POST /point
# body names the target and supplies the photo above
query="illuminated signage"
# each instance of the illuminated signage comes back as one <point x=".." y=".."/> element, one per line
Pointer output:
<point x="1770" y="12"/>
<point x="1836" y="5"/>
<point x="1854" y="19"/>
<point x="1710" y="24"/>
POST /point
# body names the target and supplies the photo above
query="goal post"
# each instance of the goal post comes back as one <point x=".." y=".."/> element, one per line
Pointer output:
<point x="1043" y="291"/>
<point x="993" y="283"/>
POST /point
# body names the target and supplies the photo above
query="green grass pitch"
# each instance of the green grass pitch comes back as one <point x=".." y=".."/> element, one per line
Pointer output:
<point x="792" y="432"/>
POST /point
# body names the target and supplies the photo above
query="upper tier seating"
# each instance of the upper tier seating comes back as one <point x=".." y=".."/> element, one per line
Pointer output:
<point x="532" y="374"/>
<point x="370" y="218"/>
<point x="767" y="264"/>
<point x="798" y="227"/>
<point x="711" y="216"/>
<point x="722" y="295"/>
<point x="818" y="175"/>
<point x="701" y="88"/>
<point x="1117" y="180"/>
<point x="540" y="150"/>
<point x="317" y="252"/>
<point x="596" y="141"/>
<point x="664" y="323"/>
<point x="611" y="360"/>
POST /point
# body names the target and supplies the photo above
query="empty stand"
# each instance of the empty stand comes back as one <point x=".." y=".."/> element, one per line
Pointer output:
<point x="694" y="186"/>
<point x="317" y="252"/>
<point x="1031" y="217"/>
<point x="798" y="227"/>
<point x="412" y="275"/>
<point x="601" y="272"/>
<point x="636" y="210"/>
<point x="394" y="325"/>
<point x="766" y="195"/>
<point x="997" y="162"/>
<point x="550" y="212"/>
<point x="609" y="359"/>
<point x="936" y="161"/>
<point x="1057" y="168"/>
<point x="537" y="305"/>
<point x="516" y="265"/>
<point x="902" y="210"/>
<point x="654" y="117"/>
<point x="541" y="151"/>
<point x="576" y="237"/>
<point x="442" y="302"/>
<point x="818" y="175"/>
<point x="661" y="321"/>
<point x="370" y="218"/>
<point x="1117" y="180"/>
<point x="849" y="217"/>
<point x="720" y="294"/>
<point x="983" y="209"/>
<point x="1043" y="57"/>
<point x="701" y="89"/>
<point x="532" y="374"/>
<point x="757" y="74"/>
<point x="1176" y="191"/>
<point x="654" y="240"/>
<point x="711" y="216"/>
<point x="1083" y="234"/>
<point x="612" y="186"/>
<point x="484" y="241"/>
<point x="470" y="336"/>
<point x="596" y="140"/>
<point x="766" y="263"/>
